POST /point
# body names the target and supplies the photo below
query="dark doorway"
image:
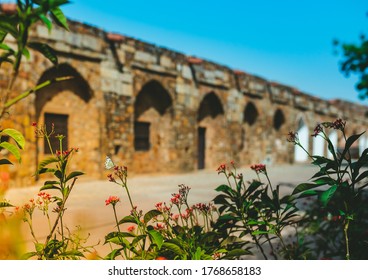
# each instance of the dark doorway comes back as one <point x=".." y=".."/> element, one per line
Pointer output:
<point x="60" y="124"/>
<point x="201" y="147"/>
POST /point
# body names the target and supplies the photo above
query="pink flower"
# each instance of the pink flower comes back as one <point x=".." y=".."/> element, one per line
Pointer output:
<point x="111" y="178"/>
<point x="317" y="130"/>
<point x="292" y="137"/>
<point x="175" y="199"/>
<point x="159" y="226"/>
<point x="131" y="228"/>
<point x="221" y="168"/>
<point x="258" y="168"/>
<point x="112" y="200"/>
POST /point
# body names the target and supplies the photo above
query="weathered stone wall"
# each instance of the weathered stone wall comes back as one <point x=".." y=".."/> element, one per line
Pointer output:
<point x="119" y="81"/>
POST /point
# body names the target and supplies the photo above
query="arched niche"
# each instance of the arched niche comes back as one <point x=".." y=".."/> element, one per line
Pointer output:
<point x="278" y="119"/>
<point x="251" y="114"/>
<point x="152" y="96"/>
<point x="303" y="134"/>
<point x="210" y="106"/>
<point x="74" y="82"/>
<point x="153" y="131"/>
<point x="211" y="136"/>
<point x="69" y="107"/>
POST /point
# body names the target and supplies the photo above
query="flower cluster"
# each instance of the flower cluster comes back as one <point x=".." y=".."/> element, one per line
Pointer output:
<point x="292" y="137"/>
<point x="43" y="201"/>
<point x="221" y="168"/>
<point x="120" y="172"/>
<point x="259" y="168"/>
<point x="131" y="228"/>
<point x="41" y="131"/>
<point x="113" y="200"/>
<point x="317" y="130"/>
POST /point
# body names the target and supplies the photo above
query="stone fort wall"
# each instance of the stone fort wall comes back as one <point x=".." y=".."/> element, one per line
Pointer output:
<point x="157" y="110"/>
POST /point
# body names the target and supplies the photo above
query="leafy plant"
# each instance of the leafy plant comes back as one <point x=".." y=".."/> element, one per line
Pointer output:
<point x="253" y="215"/>
<point x="170" y="231"/>
<point x="340" y="181"/>
<point x="59" y="243"/>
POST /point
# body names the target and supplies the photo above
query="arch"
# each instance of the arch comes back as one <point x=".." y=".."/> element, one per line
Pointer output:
<point x="318" y="146"/>
<point x="152" y="95"/>
<point x="68" y="106"/>
<point x="77" y="84"/>
<point x="250" y="114"/>
<point x="303" y="134"/>
<point x="210" y="106"/>
<point x="278" y="119"/>
<point x="210" y="120"/>
<point x="362" y="144"/>
<point x="334" y="140"/>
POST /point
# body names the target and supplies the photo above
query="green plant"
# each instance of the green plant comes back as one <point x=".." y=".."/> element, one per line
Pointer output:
<point x="339" y="183"/>
<point x="170" y="231"/>
<point x="254" y="215"/>
<point x="60" y="243"/>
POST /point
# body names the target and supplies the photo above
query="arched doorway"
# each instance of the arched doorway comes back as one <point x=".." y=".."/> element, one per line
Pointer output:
<point x="278" y="119"/>
<point x="318" y="146"/>
<point x="334" y="140"/>
<point x="303" y="134"/>
<point x="152" y="128"/>
<point x="210" y="127"/>
<point x="67" y="105"/>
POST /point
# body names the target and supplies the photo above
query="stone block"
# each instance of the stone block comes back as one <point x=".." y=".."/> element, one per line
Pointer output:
<point x="145" y="57"/>
<point x="187" y="72"/>
<point x="166" y="62"/>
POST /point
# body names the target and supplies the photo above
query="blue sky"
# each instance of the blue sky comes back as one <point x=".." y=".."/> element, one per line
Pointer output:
<point x="287" y="41"/>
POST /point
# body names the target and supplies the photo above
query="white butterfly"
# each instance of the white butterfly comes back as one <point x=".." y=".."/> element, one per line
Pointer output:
<point x="108" y="163"/>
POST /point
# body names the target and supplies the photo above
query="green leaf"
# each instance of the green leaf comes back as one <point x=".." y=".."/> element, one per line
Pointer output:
<point x="49" y="187"/>
<point x="309" y="193"/>
<point x="173" y="248"/>
<point x="150" y="215"/>
<point x="236" y="253"/>
<point x="59" y="18"/>
<point x="26" y="53"/>
<point x="114" y="253"/>
<point x="45" y="170"/>
<point x="74" y="174"/>
<point x="2" y="35"/>
<point x="303" y="187"/>
<point x="58" y="174"/>
<point x="4" y="204"/>
<point x="72" y="253"/>
<point x="118" y="237"/>
<point x="362" y="176"/>
<point x="9" y="25"/>
<point x="226" y="189"/>
<point x="6" y="48"/>
<point x="157" y="238"/>
<point x="253" y="186"/>
<point x="128" y="219"/>
<point x="12" y="149"/>
<point x="46" y="50"/>
<point x="327" y="195"/>
<point x="47" y="161"/>
<point x="46" y="21"/>
<point x="5" y="161"/>
<point x="349" y="142"/>
<point x="16" y="135"/>
<point x="39" y="247"/>
<point x="259" y="232"/>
